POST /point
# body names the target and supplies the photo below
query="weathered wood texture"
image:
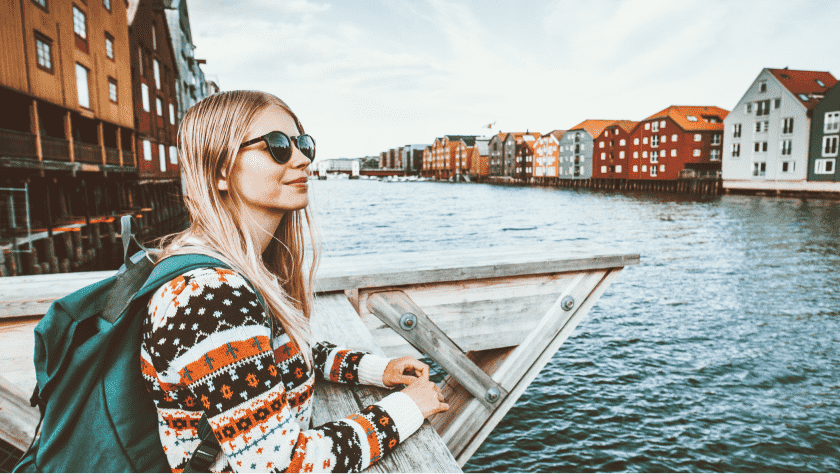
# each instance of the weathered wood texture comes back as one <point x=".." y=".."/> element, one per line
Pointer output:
<point x="423" y="334"/>
<point x="336" y="320"/>
<point x="16" y="358"/>
<point x="17" y="419"/>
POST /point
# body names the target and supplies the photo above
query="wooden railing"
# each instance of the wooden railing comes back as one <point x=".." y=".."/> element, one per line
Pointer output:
<point x="55" y="148"/>
<point x="86" y="153"/>
<point x="112" y="156"/>
<point x="17" y="144"/>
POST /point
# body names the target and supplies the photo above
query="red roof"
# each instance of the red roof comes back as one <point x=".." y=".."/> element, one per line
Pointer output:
<point x="627" y="125"/>
<point x="805" y="83"/>
<point x="594" y="127"/>
<point x="558" y="134"/>
<point x="680" y="113"/>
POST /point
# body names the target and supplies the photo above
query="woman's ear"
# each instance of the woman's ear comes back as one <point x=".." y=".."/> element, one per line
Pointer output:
<point x="222" y="184"/>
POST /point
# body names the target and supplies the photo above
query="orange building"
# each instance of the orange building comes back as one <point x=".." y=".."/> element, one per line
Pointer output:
<point x="155" y="97"/>
<point x="479" y="158"/>
<point x="65" y="86"/>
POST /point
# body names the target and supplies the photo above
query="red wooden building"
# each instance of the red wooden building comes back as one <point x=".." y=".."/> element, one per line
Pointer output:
<point x="154" y="80"/>
<point x="613" y="148"/>
<point x="680" y="141"/>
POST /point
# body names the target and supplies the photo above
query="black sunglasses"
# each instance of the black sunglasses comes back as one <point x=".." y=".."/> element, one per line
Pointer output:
<point x="280" y="145"/>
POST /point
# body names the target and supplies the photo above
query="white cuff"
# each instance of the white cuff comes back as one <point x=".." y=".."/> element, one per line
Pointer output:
<point x="371" y="369"/>
<point x="405" y="413"/>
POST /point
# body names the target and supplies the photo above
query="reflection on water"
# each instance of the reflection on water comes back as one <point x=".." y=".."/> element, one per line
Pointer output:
<point x="719" y="352"/>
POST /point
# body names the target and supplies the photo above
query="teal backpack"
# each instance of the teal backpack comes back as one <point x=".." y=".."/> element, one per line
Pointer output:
<point x="96" y="415"/>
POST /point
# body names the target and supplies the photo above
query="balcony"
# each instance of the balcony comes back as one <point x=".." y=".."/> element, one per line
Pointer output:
<point x="55" y="149"/>
<point x="112" y="156"/>
<point x="86" y="153"/>
<point x="17" y="144"/>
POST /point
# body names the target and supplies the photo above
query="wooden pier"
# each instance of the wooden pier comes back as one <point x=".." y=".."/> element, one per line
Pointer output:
<point x="490" y="318"/>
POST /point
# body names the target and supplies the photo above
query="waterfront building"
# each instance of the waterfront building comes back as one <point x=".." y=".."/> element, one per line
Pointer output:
<point x="412" y="158"/>
<point x="154" y="79"/>
<point x="427" y="161"/>
<point x="383" y="159"/>
<point x="460" y="150"/>
<point x="825" y="134"/>
<point x="65" y="90"/>
<point x="524" y="170"/>
<point x="192" y="85"/>
<point x="612" y="151"/>
<point x="480" y="158"/>
<point x="496" y="149"/>
<point x="510" y="149"/>
<point x="546" y="155"/>
<point x="576" y="147"/>
<point x="679" y="141"/>
<point x="436" y="159"/>
<point x="767" y="132"/>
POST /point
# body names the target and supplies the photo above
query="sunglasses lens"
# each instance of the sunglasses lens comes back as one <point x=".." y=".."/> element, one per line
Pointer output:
<point x="306" y="145"/>
<point x="280" y="147"/>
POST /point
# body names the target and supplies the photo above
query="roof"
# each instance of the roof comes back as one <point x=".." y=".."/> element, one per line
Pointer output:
<point x="626" y="125"/>
<point x="593" y="127"/>
<point x="468" y="140"/>
<point x="804" y="83"/>
<point x="681" y="114"/>
<point x="483" y="146"/>
<point x="558" y="134"/>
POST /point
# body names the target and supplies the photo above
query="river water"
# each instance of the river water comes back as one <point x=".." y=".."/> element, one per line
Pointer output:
<point x="719" y="352"/>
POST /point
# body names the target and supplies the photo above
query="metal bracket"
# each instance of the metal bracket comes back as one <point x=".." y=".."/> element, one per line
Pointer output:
<point x="399" y="312"/>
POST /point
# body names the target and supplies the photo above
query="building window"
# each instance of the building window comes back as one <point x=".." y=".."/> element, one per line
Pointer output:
<point x="144" y="89"/>
<point x="691" y="118"/>
<point x="804" y="97"/>
<point x="830" y="145"/>
<point x="147" y="150"/>
<point x="715" y="155"/>
<point x="109" y="46"/>
<point x="171" y="113"/>
<point x="674" y="137"/>
<point x="80" y="28"/>
<point x="748" y="107"/>
<point x="696" y="152"/>
<point x="601" y="144"/>
<point x="43" y="48"/>
<point x="760" y="146"/>
<point x="664" y="138"/>
<point x="788" y="167"/>
<point x="654" y="157"/>
<point x="604" y="169"/>
<point x="777" y="103"/>
<point x="112" y="89"/>
<point x="82" y="88"/>
<point x="787" y="125"/>
<point x="622" y="142"/>
<point x="635" y="154"/>
<point x="762" y="126"/>
<point x="654" y="141"/>
<point x="653" y="171"/>
<point x="41" y="3"/>
<point x="154" y="36"/>
<point x="603" y="156"/>
<point x="156" y="67"/>
<point x="716" y="139"/>
<point x="762" y="107"/>
<point x="786" y="146"/>
<point x="618" y="169"/>
<point x="621" y="154"/>
<point x="759" y="168"/>
<point x="107" y="4"/>
<point x="140" y="60"/>
<point x="832" y="122"/>
<point x="162" y="157"/>
<point x="644" y="140"/>
<point x="644" y="154"/>
<point x="654" y="127"/>
<point x="635" y="168"/>
<point x="674" y="152"/>
<point x="647" y="126"/>
<point x="824" y="167"/>
<point x="736" y="130"/>
<point x="159" y="106"/>
<point x="762" y="86"/>
<point x="644" y="168"/>
<point x="635" y="141"/>
<point x="173" y="155"/>
<point x="697" y="137"/>
<point x="662" y="124"/>
<point x="736" y="150"/>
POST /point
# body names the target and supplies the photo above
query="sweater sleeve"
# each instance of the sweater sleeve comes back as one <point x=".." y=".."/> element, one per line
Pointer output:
<point x="349" y="367"/>
<point x="222" y="358"/>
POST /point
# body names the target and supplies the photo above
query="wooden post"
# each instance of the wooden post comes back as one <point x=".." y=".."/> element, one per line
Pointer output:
<point x="100" y="138"/>
<point x="68" y="134"/>
<point x="119" y="145"/>
<point x="35" y="128"/>
<point x="397" y="310"/>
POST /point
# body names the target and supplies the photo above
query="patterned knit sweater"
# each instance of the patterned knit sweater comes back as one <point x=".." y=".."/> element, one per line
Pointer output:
<point x="207" y="349"/>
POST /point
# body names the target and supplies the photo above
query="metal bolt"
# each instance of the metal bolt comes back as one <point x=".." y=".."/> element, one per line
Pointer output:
<point x="408" y="321"/>
<point x="568" y="303"/>
<point x="492" y="395"/>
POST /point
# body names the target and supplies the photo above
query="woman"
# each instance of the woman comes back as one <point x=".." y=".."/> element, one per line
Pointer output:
<point x="208" y="339"/>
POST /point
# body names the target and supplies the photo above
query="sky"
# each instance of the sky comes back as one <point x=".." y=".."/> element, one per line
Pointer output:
<point x="364" y="77"/>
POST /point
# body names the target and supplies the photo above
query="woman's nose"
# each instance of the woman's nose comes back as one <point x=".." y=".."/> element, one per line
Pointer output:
<point x="299" y="160"/>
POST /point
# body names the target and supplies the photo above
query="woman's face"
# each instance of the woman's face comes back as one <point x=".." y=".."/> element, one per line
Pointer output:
<point x="268" y="188"/>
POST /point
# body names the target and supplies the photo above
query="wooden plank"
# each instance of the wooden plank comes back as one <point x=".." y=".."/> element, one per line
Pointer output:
<point x="470" y="448"/>
<point x="336" y="320"/>
<point x="424" y="335"/>
<point x="17" y="419"/>
<point x="16" y="358"/>
<point x="31" y="295"/>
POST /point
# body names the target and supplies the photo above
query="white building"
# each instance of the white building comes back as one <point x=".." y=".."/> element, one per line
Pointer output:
<point x="766" y="136"/>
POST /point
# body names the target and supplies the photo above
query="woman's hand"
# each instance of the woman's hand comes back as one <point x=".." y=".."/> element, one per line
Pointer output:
<point x="404" y="371"/>
<point x="426" y="395"/>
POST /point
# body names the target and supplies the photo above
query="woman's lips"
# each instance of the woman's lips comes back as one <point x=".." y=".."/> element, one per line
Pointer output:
<point x="298" y="182"/>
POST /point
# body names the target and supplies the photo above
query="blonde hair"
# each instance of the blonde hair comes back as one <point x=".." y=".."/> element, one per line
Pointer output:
<point x="209" y="137"/>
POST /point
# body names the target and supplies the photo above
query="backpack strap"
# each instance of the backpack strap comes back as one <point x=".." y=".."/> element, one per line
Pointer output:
<point x="206" y="452"/>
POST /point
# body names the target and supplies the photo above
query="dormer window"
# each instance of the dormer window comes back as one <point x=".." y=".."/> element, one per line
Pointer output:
<point x="691" y="118"/>
<point x="819" y="82"/>
<point x="803" y="97"/>
<point x="762" y="86"/>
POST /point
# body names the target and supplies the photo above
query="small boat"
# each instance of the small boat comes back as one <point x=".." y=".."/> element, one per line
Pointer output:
<point x="490" y="318"/>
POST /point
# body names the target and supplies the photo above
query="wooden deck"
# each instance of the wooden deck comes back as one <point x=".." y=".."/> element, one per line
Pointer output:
<point x="492" y="318"/>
